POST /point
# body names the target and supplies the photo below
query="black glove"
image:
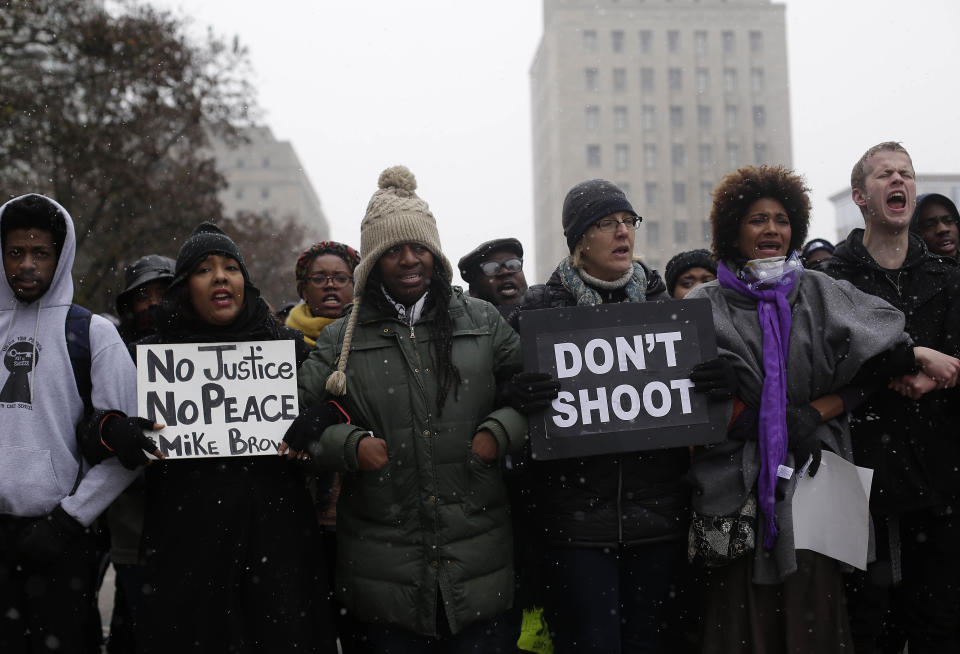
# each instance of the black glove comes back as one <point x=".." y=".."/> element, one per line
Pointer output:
<point x="303" y="435"/>
<point x="745" y="427"/>
<point x="802" y="422"/>
<point x="529" y="392"/>
<point x="49" y="536"/>
<point x="716" y="378"/>
<point x="124" y="436"/>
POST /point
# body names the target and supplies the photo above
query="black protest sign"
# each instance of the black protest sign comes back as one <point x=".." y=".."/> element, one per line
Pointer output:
<point x="624" y="377"/>
<point x="218" y="399"/>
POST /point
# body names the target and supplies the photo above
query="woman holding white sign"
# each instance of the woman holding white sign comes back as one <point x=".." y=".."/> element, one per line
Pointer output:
<point x="802" y="346"/>
<point x="231" y="546"/>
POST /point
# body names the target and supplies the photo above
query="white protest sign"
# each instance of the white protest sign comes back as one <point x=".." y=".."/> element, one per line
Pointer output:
<point x="218" y="399"/>
<point x="831" y="511"/>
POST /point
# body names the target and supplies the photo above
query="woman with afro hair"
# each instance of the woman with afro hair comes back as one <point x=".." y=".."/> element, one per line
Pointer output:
<point x="804" y="348"/>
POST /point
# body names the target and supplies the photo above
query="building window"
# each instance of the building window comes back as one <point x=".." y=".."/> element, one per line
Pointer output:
<point x="651" y="194"/>
<point x="729" y="80"/>
<point x="705" y="191"/>
<point x="759" y="116"/>
<point x="756" y="80"/>
<point x="593" y="156"/>
<point x="653" y="233"/>
<point x="678" y="155"/>
<point x="679" y="193"/>
<point x="673" y="41"/>
<point x="266" y="162"/>
<point x="592" y="78"/>
<point x="648" y="117"/>
<point x="704" y="116"/>
<point x="265" y="192"/>
<point x="620" y="119"/>
<point x="675" y="79"/>
<point x="679" y="233"/>
<point x="706" y="229"/>
<point x="729" y="42"/>
<point x="649" y="155"/>
<point x="733" y="155"/>
<point x="706" y="155"/>
<point x="239" y="163"/>
<point x="589" y="41"/>
<point x="700" y="43"/>
<point x="646" y="80"/>
<point x="592" y="117"/>
<point x="238" y="193"/>
<point x="759" y="153"/>
<point x="676" y="117"/>
<point x="619" y="80"/>
<point x="730" y="116"/>
<point x="621" y="156"/>
<point x="646" y="41"/>
<point x="616" y="40"/>
<point x="703" y="80"/>
<point x="756" y="41"/>
<point x="625" y="187"/>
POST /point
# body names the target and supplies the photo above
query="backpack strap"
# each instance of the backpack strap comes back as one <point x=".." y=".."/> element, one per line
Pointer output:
<point x="77" y="329"/>
<point x="78" y="346"/>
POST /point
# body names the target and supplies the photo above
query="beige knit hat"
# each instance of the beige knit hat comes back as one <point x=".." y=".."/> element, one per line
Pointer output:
<point x="395" y="215"/>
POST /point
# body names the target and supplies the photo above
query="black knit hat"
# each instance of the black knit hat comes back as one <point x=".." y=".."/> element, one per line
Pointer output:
<point x="150" y="268"/>
<point x="681" y="263"/>
<point x="588" y="202"/>
<point x="469" y="264"/>
<point x="205" y="240"/>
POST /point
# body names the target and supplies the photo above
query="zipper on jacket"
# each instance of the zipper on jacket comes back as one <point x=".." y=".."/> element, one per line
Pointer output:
<point x="620" y="500"/>
<point x="895" y="284"/>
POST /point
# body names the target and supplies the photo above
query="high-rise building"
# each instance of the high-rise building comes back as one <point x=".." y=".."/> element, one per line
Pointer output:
<point x="662" y="97"/>
<point x="264" y="175"/>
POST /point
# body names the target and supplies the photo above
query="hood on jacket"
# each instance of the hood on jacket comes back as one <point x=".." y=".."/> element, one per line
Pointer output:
<point x="852" y="249"/>
<point x="61" y="286"/>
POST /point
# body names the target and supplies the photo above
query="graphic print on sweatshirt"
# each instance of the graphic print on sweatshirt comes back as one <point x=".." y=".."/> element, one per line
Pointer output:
<point x="19" y="358"/>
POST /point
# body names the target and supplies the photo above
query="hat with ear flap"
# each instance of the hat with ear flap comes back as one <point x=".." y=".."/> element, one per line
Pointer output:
<point x="395" y="215"/>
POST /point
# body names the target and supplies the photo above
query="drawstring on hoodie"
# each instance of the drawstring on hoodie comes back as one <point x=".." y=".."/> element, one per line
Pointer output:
<point x="36" y="330"/>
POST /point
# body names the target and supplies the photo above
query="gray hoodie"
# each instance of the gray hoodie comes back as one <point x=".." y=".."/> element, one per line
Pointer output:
<point x="41" y="408"/>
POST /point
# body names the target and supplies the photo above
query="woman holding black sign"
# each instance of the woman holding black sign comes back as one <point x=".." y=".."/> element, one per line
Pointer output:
<point x="802" y="345"/>
<point x="231" y="546"/>
<point x="611" y="526"/>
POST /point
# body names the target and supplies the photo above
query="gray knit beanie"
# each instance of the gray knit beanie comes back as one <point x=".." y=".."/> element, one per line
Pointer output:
<point x="395" y="215"/>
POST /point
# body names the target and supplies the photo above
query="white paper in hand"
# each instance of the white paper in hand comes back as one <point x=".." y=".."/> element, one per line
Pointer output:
<point x="831" y="511"/>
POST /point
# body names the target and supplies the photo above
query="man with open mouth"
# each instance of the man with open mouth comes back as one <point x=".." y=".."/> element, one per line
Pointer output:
<point x="935" y="221"/>
<point x="911" y="445"/>
<point x="494" y="271"/>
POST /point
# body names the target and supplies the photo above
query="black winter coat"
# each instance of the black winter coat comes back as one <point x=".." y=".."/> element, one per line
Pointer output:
<point x="912" y="446"/>
<point x="607" y="500"/>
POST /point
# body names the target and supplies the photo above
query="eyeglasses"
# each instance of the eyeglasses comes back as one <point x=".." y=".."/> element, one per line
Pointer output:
<point x="492" y="268"/>
<point x="339" y="280"/>
<point x="611" y="224"/>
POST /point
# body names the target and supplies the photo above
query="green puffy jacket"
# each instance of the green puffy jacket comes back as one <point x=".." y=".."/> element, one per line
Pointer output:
<point x="433" y="524"/>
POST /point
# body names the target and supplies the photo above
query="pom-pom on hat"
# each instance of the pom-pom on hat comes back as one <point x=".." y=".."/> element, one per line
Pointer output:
<point x="395" y="215"/>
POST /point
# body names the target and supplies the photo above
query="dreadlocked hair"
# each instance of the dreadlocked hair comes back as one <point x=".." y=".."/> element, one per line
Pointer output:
<point x="440" y="328"/>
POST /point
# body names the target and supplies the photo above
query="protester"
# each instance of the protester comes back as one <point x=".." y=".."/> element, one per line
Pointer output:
<point x="912" y="446"/>
<point x="231" y="548"/>
<point x="791" y="404"/>
<point x="494" y="272"/>
<point x="283" y="312"/>
<point x="50" y="496"/>
<point x="687" y="270"/>
<point x="422" y="520"/>
<point x="145" y="281"/>
<point x="611" y="526"/>
<point x="324" y="274"/>
<point x="815" y="251"/>
<point x="935" y="221"/>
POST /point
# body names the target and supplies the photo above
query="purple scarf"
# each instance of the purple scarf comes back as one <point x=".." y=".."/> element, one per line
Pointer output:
<point x="773" y="310"/>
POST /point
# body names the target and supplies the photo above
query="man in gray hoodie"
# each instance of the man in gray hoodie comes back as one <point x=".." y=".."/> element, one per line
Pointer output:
<point x="49" y="494"/>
